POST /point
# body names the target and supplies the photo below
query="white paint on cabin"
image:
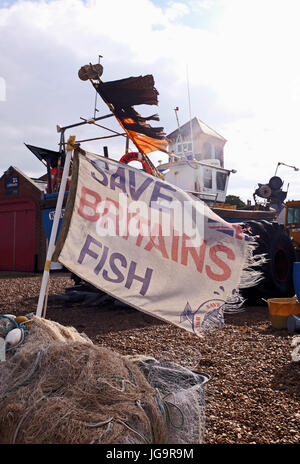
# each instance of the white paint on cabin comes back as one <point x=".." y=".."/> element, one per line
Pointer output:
<point x="198" y="166"/>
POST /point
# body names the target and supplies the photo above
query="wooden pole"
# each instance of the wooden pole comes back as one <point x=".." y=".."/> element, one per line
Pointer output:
<point x="41" y="308"/>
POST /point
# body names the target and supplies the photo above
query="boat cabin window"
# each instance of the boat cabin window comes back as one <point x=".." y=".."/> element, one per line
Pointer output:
<point x="207" y="178"/>
<point x="221" y="180"/>
<point x="293" y="215"/>
<point x="187" y="147"/>
<point x="184" y="148"/>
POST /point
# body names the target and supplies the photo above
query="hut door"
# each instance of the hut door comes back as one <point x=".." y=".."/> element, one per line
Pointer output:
<point x="17" y="236"/>
<point x="7" y="240"/>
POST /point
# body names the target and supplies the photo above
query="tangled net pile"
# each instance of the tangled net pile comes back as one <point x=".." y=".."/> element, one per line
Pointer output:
<point x="183" y="393"/>
<point x="60" y="388"/>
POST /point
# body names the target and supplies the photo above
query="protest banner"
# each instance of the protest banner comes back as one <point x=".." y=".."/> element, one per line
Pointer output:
<point x="150" y="244"/>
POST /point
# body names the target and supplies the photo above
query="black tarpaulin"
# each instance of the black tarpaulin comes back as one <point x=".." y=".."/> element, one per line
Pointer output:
<point x="49" y="156"/>
<point x="130" y="91"/>
<point x="154" y="132"/>
<point x="122" y="95"/>
<point x="129" y="112"/>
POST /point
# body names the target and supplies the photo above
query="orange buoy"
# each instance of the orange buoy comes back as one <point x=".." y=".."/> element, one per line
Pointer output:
<point x="135" y="156"/>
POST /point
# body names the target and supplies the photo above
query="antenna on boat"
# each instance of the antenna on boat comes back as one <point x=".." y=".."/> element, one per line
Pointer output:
<point x="190" y="112"/>
<point x="179" y="138"/>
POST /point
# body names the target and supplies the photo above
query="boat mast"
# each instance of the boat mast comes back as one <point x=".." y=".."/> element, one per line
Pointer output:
<point x="179" y="138"/>
<point x="96" y="96"/>
<point x="190" y="112"/>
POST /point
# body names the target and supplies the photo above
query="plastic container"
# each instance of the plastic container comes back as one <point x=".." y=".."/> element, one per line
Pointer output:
<point x="296" y="279"/>
<point x="293" y="323"/>
<point x="280" y="309"/>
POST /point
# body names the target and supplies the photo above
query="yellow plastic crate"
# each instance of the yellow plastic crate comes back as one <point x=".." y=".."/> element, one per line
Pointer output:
<point x="280" y="309"/>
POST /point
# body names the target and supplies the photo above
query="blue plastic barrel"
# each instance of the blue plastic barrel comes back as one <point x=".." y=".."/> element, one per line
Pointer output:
<point x="296" y="279"/>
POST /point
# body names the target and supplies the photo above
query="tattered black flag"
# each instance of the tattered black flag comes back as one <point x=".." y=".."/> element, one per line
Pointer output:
<point x="49" y="156"/>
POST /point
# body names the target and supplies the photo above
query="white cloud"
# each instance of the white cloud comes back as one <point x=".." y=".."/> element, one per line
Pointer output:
<point x="261" y="39"/>
<point x="243" y="74"/>
<point x="175" y="10"/>
<point x="2" y="89"/>
<point x="203" y="5"/>
<point x="47" y="42"/>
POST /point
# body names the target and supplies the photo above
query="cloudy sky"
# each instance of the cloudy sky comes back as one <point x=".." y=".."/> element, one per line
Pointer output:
<point x="241" y="58"/>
